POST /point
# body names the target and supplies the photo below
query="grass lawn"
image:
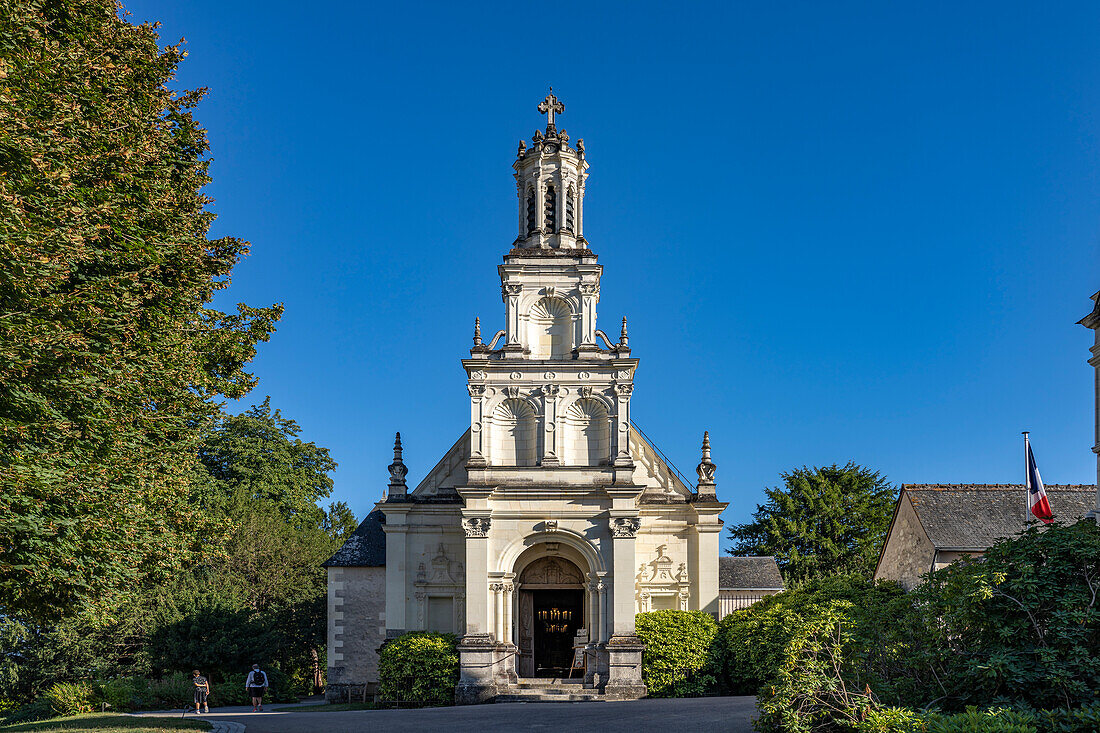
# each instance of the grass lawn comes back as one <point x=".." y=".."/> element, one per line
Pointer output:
<point x="107" y="723"/>
<point x="324" y="708"/>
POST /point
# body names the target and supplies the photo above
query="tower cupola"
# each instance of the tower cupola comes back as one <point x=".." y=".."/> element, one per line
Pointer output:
<point x="550" y="179"/>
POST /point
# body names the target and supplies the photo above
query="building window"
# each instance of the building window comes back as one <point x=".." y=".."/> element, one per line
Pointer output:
<point x="530" y="211"/>
<point x="550" y="212"/>
<point x="569" y="211"/>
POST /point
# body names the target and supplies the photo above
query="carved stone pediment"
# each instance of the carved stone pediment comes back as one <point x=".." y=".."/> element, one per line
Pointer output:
<point x="551" y="571"/>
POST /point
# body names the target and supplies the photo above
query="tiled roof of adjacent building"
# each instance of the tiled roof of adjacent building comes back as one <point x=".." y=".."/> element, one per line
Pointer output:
<point x="736" y="573"/>
<point x="366" y="547"/>
<point x="974" y="516"/>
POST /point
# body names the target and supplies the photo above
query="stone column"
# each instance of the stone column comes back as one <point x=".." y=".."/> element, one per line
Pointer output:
<point x="498" y="615"/>
<point x="624" y="648"/>
<point x="476" y="649"/>
<point x="601" y="626"/>
<point x="593" y="610"/>
<point x="509" y="595"/>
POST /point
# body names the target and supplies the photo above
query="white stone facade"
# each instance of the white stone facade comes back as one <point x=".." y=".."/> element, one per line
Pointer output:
<point x="551" y="522"/>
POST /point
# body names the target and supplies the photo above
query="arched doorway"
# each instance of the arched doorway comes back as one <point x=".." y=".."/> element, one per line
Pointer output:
<point x="551" y="611"/>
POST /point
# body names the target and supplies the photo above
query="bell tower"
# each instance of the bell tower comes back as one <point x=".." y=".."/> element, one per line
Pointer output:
<point x="550" y="389"/>
<point x="550" y="179"/>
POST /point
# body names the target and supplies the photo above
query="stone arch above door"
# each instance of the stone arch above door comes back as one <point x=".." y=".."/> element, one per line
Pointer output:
<point x="526" y="549"/>
<point x="551" y="571"/>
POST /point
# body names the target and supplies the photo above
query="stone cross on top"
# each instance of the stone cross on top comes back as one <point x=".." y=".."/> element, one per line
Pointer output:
<point x="549" y="107"/>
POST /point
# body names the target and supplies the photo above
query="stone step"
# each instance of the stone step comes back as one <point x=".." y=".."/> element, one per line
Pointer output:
<point x="533" y="696"/>
<point x="577" y="685"/>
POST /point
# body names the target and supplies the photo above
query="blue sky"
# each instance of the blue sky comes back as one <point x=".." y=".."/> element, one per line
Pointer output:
<point x="840" y="231"/>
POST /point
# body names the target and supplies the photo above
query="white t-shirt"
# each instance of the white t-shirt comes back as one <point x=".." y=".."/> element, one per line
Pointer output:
<point x="256" y="678"/>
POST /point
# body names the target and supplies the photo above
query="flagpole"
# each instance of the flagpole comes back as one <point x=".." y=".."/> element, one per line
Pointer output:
<point x="1027" y="481"/>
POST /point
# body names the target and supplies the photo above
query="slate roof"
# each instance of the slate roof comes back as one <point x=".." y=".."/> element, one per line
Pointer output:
<point x="365" y="548"/>
<point x="974" y="516"/>
<point x="738" y="573"/>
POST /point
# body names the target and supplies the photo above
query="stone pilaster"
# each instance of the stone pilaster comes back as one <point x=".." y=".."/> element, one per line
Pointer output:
<point x="477" y="650"/>
<point x="396" y="562"/>
<point x="624" y="648"/>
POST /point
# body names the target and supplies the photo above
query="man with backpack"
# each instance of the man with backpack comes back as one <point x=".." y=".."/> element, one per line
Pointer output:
<point x="256" y="685"/>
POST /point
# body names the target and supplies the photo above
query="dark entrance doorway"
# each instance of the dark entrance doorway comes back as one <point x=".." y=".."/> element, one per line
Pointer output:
<point x="558" y="615"/>
<point x="551" y="610"/>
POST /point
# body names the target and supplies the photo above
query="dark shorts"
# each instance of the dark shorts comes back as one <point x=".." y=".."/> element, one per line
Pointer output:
<point x="200" y="696"/>
<point x="256" y="692"/>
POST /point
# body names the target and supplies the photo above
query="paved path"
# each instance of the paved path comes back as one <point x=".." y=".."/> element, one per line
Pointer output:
<point x="733" y="714"/>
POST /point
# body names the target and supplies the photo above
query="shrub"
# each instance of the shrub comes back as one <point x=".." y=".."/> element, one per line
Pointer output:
<point x="170" y="692"/>
<point x="121" y="693"/>
<point x="751" y="643"/>
<point x="677" y="661"/>
<point x="419" y="668"/>
<point x="808" y="692"/>
<point x="973" y="720"/>
<point x="1021" y="624"/>
<point x="890" y="720"/>
<point x="229" y="693"/>
<point x="40" y="709"/>
<point x="70" y="698"/>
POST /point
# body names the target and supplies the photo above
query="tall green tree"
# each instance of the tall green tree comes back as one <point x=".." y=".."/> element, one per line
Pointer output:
<point x="112" y="363"/>
<point x="267" y="583"/>
<point x="826" y="520"/>
<point x="257" y="456"/>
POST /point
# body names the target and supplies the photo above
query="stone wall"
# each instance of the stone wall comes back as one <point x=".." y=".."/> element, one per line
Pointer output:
<point x="908" y="553"/>
<point x="356" y="629"/>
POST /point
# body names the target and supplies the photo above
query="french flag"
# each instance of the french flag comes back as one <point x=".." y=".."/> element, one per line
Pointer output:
<point x="1036" y="494"/>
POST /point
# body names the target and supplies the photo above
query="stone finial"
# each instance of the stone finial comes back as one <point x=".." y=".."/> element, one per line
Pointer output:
<point x="549" y="107"/>
<point x="707" y="488"/>
<point x="522" y="149"/>
<point x="477" y="332"/>
<point x="624" y="340"/>
<point x="580" y="146"/>
<point x="398" y="470"/>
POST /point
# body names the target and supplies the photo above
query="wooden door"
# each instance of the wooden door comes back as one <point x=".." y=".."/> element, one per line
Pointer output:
<point x="526" y="633"/>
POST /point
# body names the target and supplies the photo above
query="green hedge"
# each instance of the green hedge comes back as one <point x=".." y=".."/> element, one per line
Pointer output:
<point x="678" y="660"/>
<point x="419" y="668"/>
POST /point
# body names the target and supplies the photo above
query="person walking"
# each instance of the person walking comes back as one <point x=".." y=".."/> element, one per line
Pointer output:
<point x="256" y="684"/>
<point x="202" y="691"/>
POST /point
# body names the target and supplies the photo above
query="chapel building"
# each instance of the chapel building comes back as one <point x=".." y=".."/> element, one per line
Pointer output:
<point x="552" y="520"/>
